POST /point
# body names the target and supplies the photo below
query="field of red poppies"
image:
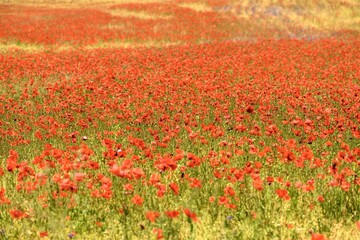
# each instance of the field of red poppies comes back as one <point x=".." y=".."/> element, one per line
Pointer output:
<point x="179" y="120"/>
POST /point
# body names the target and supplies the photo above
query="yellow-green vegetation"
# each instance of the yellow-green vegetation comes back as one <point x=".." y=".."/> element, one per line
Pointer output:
<point x="136" y="14"/>
<point x="131" y="44"/>
<point x="197" y="6"/>
<point x="323" y="15"/>
<point x="288" y="18"/>
<point x="14" y="46"/>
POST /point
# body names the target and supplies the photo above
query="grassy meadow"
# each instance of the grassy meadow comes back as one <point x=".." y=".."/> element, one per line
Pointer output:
<point x="180" y="119"/>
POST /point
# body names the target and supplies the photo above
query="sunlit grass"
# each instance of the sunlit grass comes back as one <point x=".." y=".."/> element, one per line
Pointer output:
<point x="11" y="46"/>
<point x="131" y="44"/>
<point x="115" y="26"/>
<point x="324" y="15"/>
<point x="136" y="14"/>
<point x="281" y="225"/>
<point x="197" y="6"/>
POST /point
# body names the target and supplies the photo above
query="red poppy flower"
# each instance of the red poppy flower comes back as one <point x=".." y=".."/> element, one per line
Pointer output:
<point x="317" y="236"/>
<point x="11" y="162"/>
<point x="137" y="200"/>
<point x="223" y="200"/>
<point x="190" y="214"/>
<point x="159" y="233"/>
<point x="229" y="191"/>
<point x="172" y="214"/>
<point x="43" y="234"/>
<point x="358" y="224"/>
<point x="282" y="193"/>
<point x="17" y="214"/>
<point x="152" y="216"/>
<point x="3" y="199"/>
<point x="321" y="198"/>
<point x="175" y="188"/>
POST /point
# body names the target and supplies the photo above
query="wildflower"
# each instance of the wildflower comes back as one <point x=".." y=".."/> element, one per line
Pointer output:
<point x="190" y="214"/>
<point x="327" y="111"/>
<point x="230" y="206"/>
<point x="175" y="188"/>
<point x="172" y="214"/>
<point x="250" y="109"/>
<point x="258" y="184"/>
<point x="161" y="190"/>
<point x="43" y="234"/>
<point x="11" y="162"/>
<point x="358" y="224"/>
<point x="128" y="188"/>
<point x="159" y="233"/>
<point x="71" y="235"/>
<point x="282" y="193"/>
<point x="155" y="178"/>
<point x="223" y="200"/>
<point x="137" y="200"/>
<point x="195" y="183"/>
<point x="152" y="216"/>
<point x="270" y="180"/>
<point x="78" y="177"/>
<point x="317" y="236"/>
<point x="3" y="199"/>
<point x="229" y="218"/>
<point x="137" y="173"/>
<point x="321" y="198"/>
<point x="17" y="214"/>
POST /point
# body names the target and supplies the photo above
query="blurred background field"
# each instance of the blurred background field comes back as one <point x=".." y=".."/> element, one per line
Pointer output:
<point x="39" y="25"/>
